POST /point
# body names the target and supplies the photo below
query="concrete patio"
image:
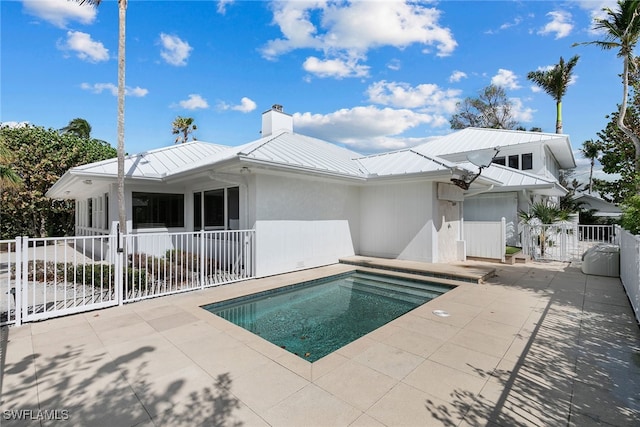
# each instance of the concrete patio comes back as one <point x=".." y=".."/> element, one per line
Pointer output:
<point x="539" y="344"/>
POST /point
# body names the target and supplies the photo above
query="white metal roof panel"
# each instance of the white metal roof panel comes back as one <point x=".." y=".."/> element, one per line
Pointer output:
<point x="155" y="163"/>
<point x="302" y="151"/>
<point x="402" y="162"/>
<point x="474" y="139"/>
<point x="512" y="177"/>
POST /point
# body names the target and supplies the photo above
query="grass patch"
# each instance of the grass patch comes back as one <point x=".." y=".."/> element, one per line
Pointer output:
<point x="510" y="250"/>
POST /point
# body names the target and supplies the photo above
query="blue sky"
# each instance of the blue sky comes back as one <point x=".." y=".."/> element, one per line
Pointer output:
<point x="369" y="75"/>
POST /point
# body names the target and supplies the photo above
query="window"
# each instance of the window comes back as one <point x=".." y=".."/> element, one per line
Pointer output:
<point x="90" y="213"/>
<point x="527" y="161"/>
<point x="499" y="161"/>
<point x="514" y="162"/>
<point x="220" y="209"/>
<point x="106" y="211"/>
<point x="158" y="210"/>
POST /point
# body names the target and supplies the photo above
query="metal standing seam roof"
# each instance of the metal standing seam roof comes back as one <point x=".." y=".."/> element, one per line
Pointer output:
<point x="513" y="177"/>
<point x="402" y="162"/>
<point x="155" y="163"/>
<point x="287" y="149"/>
<point x="474" y="139"/>
<point x="302" y="151"/>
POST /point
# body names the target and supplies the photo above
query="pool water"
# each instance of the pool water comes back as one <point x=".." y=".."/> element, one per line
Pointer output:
<point x="313" y="319"/>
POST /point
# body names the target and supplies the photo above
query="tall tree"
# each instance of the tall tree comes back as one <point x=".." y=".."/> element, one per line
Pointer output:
<point x="122" y="18"/>
<point x="555" y="82"/>
<point x="78" y="127"/>
<point x="41" y="156"/>
<point x="491" y="109"/>
<point x="183" y="127"/>
<point x="621" y="29"/>
<point x="590" y="150"/>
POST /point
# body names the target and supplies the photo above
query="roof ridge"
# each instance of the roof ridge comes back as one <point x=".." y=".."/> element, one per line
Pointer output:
<point x="267" y="139"/>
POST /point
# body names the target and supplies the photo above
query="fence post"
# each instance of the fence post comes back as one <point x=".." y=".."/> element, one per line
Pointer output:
<point x="119" y="261"/>
<point x="24" y="277"/>
<point x="202" y="259"/>
<point x="17" y="302"/>
<point x="503" y="237"/>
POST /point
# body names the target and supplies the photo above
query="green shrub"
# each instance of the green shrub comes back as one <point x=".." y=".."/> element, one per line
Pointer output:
<point x="631" y="214"/>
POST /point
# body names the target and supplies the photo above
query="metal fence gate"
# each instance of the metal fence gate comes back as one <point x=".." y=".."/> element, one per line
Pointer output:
<point x="563" y="241"/>
<point x="41" y="278"/>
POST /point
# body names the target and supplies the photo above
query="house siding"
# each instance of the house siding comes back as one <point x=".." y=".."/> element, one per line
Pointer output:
<point x="397" y="221"/>
<point x="493" y="207"/>
<point x="302" y="223"/>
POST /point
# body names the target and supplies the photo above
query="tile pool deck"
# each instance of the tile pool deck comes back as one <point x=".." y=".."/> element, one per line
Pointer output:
<point x="538" y="344"/>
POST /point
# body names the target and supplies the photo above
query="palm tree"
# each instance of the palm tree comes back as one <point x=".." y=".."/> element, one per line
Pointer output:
<point x="622" y="31"/>
<point x="78" y="127"/>
<point x="183" y="126"/>
<point x="555" y="82"/>
<point x="541" y="214"/>
<point x="8" y="177"/>
<point x="122" y="13"/>
<point x="590" y="150"/>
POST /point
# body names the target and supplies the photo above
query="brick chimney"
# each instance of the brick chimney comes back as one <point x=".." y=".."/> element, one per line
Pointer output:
<point x="276" y="119"/>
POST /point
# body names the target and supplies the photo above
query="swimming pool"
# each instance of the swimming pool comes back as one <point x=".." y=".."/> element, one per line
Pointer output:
<point x="315" y="318"/>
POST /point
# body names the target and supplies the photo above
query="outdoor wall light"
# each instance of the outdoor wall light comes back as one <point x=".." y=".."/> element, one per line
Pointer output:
<point x="87" y="181"/>
<point x="481" y="159"/>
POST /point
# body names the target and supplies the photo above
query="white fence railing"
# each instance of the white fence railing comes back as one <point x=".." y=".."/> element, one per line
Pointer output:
<point x="485" y="239"/>
<point x="50" y="277"/>
<point x="630" y="267"/>
<point x="564" y="241"/>
<point x="550" y="241"/>
<point x="162" y="263"/>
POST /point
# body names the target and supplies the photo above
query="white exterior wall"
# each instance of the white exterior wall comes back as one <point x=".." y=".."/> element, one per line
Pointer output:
<point x="447" y="225"/>
<point x="397" y="221"/>
<point x="493" y="207"/>
<point x="302" y="223"/>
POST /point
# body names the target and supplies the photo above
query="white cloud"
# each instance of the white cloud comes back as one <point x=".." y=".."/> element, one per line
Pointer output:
<point x="84" y="47"/>
<point x="60" y="12"/>
<point x="514" y="23"/>
<point x="594" y="7"/>
<point x="456" y="76"/>
<point x="12" y="124"/>
<point x="426" y="97"/>
<point x="367" y="129"/>
<point x="536" y="89"/>
<point x="520" y="112"/>
<point x="194" y="102"/>
<point x="337" y="68"/>
<point x="350" y="29"/>
<point x="98" y="88"/>
<point x="560" y="24"/>
<point x="222" y="6"/>
<point x="246" y="105"/>
<point x="174" y="50"/>
<point x="506" y="79"/>
<point x="394" y="64"/>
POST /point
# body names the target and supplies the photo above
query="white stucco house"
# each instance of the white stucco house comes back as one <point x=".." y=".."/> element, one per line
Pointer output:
<point x="312" y="202"/>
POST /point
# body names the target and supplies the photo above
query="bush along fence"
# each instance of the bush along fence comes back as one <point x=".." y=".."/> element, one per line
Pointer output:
<point x="41" y="278"/>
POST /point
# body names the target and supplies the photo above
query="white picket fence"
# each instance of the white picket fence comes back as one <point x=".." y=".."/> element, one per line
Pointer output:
<point x="42" y="278"/>
<point x="630" y="266"/>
